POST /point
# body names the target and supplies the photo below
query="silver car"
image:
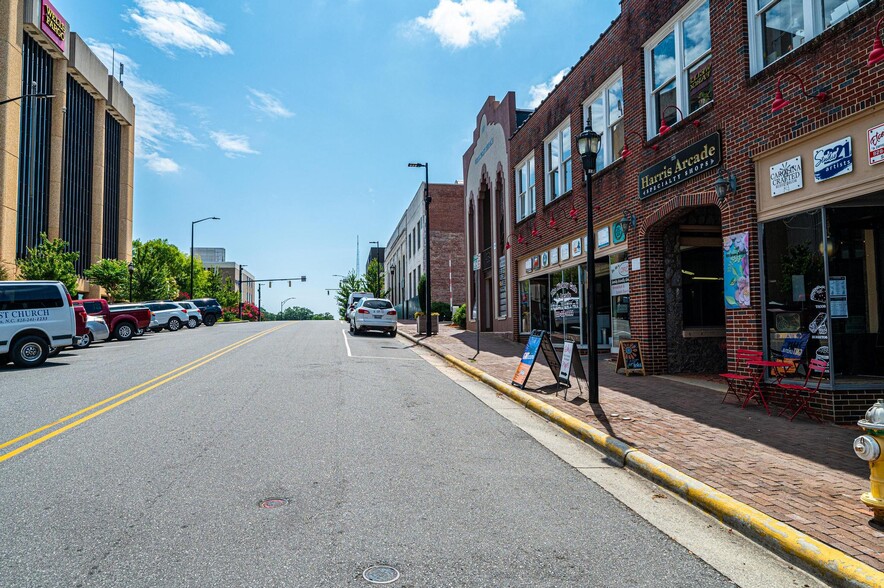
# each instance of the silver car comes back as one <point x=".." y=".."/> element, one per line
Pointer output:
<point x="98" y="331"/>
<point x="374" y="314"/>
<point x="194" y="314"/>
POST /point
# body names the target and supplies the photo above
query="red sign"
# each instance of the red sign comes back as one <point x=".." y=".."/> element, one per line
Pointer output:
<point x="53" y="24"/>
<point x="876" y="144"/>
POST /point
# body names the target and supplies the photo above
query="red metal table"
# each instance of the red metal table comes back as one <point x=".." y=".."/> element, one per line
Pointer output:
<point x="756" y="391"/>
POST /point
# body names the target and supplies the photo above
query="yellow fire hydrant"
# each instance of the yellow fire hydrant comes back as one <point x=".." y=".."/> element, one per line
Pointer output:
<point x="869" y="447"/>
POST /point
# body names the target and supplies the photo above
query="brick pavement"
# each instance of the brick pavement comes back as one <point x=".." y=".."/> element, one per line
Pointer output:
<point x="801" y="472"/>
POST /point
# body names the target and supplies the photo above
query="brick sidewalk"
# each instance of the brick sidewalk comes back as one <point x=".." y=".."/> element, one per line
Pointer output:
<point x="802" y="473"/>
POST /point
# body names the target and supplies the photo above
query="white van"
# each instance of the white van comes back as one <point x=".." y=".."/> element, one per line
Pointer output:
<point x="34" y="316"/>
<point x="353" y="300"/>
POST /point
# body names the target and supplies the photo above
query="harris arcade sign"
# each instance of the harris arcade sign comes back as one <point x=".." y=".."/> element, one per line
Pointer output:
<point x="702" y="156"/>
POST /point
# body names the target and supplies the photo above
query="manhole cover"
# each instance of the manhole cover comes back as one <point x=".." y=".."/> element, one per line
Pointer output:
<point x="273" y="502"/>
<point x="381" y="574"/>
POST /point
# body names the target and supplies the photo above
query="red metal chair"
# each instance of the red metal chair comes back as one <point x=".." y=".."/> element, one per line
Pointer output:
<point x="800" y="395"/>
<point x="734" y="381"/>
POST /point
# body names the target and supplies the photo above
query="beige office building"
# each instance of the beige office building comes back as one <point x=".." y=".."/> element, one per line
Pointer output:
<point x="66" y="162"/>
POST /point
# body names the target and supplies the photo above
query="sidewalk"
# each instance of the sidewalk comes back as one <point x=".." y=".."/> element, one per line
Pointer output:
<point x="802" y="473"/>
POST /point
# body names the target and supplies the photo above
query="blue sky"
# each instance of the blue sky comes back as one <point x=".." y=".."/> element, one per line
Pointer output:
<point x="294" y="120"/>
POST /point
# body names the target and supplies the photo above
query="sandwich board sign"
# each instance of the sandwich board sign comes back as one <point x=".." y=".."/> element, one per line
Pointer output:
<point x="538" y="341"/>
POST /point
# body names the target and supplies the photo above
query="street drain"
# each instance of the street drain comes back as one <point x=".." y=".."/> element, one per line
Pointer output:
<point x="273" y="502"/>
<point x="381" y="574"/>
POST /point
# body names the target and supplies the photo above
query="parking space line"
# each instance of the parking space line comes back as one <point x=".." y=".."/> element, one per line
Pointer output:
<point x="135" y="391"/>
<point x="350" y="354"/>
<point x="347" y="343"/>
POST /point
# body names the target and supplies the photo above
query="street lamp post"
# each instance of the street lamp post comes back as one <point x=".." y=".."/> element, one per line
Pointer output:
<point x="192" y="225"/>
<point x="242" y="265"/>
<point x="588" y="147"/>
<point x="283" y="302"/>
<point x="37" y="96"/>
<point x="428" y="307"/>
<point x="393" y="281"/>
<point x="131" y="271"/>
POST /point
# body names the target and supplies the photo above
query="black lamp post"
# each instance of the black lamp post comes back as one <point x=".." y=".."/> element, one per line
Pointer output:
<point x="377" y="270"/>
<point x="193" y="224"/>
<point x="588" y="147"/>
<point x="131" y="271"/>
<point x="428" y="307"/>
<point x="393" y="286"/>
<point x="242" y="265"/>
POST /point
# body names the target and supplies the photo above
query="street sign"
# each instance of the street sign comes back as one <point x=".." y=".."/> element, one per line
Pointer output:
<point x="476" y="262"/>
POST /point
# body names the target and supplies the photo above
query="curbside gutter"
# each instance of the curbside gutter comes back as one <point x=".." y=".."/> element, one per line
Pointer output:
<point x="811" y="554"/>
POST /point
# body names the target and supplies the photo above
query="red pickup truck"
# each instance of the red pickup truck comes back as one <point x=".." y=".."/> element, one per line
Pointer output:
<point x="124" y="320"/>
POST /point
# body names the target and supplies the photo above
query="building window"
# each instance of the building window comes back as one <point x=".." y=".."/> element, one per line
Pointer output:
<point x="112" y="143"/>
<point x="702" y="283"/>
<point x="526" y="204"/>
<point x="779" y="26"/>
<point x="679" y="67"/>
<point x="418" y="235"/>
<point x="558" y="163"/>
<point x="606" y="108"/>
<point x="76" y="202"/>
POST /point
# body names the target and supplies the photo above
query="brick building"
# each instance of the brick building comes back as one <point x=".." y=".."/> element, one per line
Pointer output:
<point x="405" y="257"/>
<point x="691" y="276"/>
<point x="487" y="214"/>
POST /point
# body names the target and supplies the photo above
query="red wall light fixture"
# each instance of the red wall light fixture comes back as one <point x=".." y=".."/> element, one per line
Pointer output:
<point x="552" y="221"/>
<point x="877" y="54"/>
<point x="626" y="152"/>
<point x="534" y="231"/>
<point x="521" y="239"/>
<point x="664" y="128"/>
<point x="779" y="103"/>
<point x="573" y="212"/>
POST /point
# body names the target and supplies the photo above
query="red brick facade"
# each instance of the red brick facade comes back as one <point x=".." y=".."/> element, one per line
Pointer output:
<point x="447" y="243"/>
<point x="834" y="61"/>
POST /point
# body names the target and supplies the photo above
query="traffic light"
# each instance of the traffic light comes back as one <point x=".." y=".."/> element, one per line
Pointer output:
<point x="290" y="283"/>
<point x="269" y="284"/>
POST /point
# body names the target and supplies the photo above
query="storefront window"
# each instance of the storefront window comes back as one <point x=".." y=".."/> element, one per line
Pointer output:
<point x="797" y="320"/>
<point x="856" y="253"/>
<point x="565" y="314"/>
<point x="619" y="299"/>
<point x="539" y="300"/>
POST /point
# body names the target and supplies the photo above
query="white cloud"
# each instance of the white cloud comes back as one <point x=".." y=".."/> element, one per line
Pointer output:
<point x="268" y="104"/>
<point x="161" y="165"/>
<point x="171" y="23"/>
<point x="232" y="145"/>
<point x="155" y="125"/>
<point x="540" y="91"/>
<point x="460" y="23"/>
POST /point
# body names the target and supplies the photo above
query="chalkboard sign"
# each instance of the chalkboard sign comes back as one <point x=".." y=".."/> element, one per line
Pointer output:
<point x="539" y="340"/>
<point x="630" y="357"/>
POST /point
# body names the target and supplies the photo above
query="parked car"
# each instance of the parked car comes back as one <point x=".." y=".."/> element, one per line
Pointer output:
<point x="34" y="316"/>
<point x="210" y="310"/>
<point x="353" y="302"/>
<point x="97" y="331"/>
<point x="194" y="316"/>
<point x="374" y="314"/>
<point x="123" y="320"/>
<point x="169" y="315"/>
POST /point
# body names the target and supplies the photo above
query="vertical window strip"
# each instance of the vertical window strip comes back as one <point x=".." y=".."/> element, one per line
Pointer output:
<point x="32" y="216"/>
<point x="76" y="208"/>
<point x="110" y="242"/>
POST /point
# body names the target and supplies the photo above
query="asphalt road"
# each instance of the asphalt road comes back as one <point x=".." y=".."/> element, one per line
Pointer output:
<point x="381" y="457"/>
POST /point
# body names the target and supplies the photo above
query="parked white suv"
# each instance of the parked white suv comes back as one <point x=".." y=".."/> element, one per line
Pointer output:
<point x="169" y="315"/>
<point x="194" y="314"/>
<point x="34" y="316"/>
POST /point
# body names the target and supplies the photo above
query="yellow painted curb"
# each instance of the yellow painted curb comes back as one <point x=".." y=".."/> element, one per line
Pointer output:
<point x="820" y="559"/>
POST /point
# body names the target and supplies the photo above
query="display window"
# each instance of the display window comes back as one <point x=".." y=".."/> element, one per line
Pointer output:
<point x="822" y="279"/>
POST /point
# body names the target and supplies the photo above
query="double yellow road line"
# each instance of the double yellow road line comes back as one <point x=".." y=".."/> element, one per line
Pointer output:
<point x="99" y="408"/>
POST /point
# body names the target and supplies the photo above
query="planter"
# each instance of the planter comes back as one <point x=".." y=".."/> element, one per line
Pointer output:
<point x="422" y="325"/>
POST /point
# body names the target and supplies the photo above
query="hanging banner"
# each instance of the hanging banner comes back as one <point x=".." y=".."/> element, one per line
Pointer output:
<point x="736" y="271"/>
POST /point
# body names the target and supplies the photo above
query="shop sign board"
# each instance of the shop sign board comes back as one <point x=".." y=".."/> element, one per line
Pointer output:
<point x="501" y="287"/>
<point x="554" y="255"/>
<point x="620" y="278"/>
<point x="544" y="259"/>
<point x="736" y="271"/>
<point x="577" y="247"/>
<point x="786" y="176"/>
<point x="535" y="263"/>
<point x="528" y="265"/>
<point x="695" y="159"/>
<point x="603" y="237"/>
<point x="838" y="296"/>
<point x="833" y="160"/>
<point x="565" y="252"/>
<point x="476" y="262"/>
<point x="876" y="144"/>
<point x="619" y="235"/>
<point x="53" y="24"/>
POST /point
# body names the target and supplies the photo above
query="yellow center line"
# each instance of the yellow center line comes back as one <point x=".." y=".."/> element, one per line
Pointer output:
<point x="172" y="375"/>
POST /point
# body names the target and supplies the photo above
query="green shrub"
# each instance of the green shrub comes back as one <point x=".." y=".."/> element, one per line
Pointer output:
<point x="228" y="316"/>
<point x="444" y="310"/>
<point x="460" y="316"/>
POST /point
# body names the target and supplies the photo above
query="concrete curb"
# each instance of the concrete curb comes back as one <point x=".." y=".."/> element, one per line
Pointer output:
<point x="811" y="554"/>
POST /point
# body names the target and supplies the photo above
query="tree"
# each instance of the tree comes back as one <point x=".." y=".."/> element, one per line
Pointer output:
<point x="374" y="278"/>
<point x="422" y="291"/>
<point x="176" y="264"/>
<point x="3" y="274"/>
<point x="220" y="289"/>
<point x="351" y="283"/>
<point x="50" y="260"/>
<point x="325" y="316"/>
<point x="112" y="275"/>
<point x="151" y="279"/>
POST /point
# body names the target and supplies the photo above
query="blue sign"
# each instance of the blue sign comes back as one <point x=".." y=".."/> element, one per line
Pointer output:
<point x="833" y="160"/>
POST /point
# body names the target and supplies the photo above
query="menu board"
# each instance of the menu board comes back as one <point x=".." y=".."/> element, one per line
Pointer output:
<point x="630" y="358"/>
